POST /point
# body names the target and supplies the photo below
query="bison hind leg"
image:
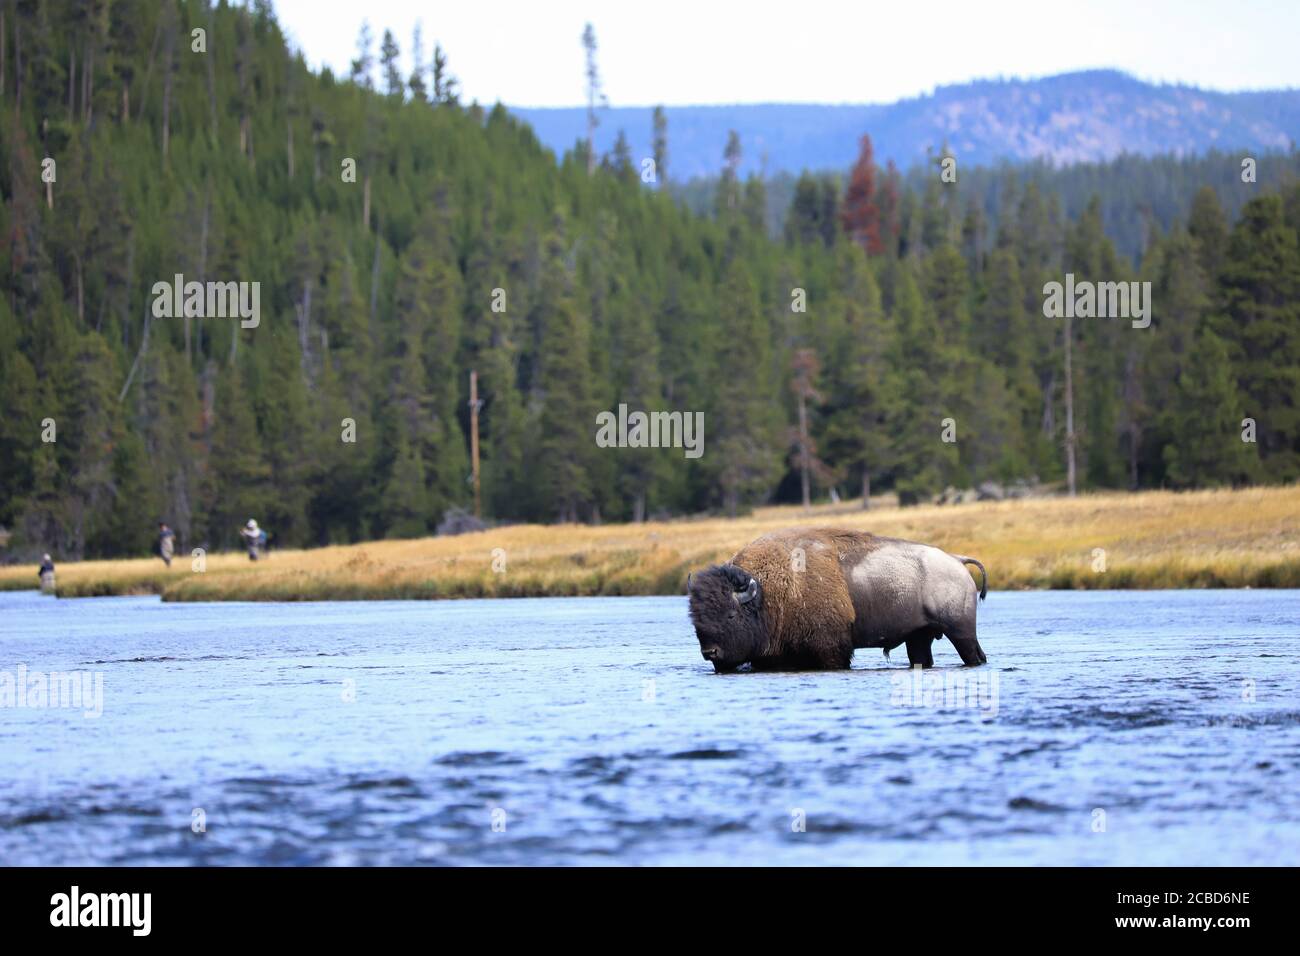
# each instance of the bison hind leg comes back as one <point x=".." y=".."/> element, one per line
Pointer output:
<point x="967" y="645"/>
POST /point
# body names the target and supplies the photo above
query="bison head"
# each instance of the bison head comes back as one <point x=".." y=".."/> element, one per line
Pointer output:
<point x="726" y="609"/>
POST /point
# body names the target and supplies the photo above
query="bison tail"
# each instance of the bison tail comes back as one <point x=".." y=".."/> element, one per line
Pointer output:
<point x="984" y="575"/>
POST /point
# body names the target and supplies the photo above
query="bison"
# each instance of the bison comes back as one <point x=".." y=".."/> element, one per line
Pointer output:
<point x="804" y="599"/>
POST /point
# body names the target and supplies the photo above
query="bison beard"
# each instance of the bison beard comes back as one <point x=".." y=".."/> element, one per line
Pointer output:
<point x="804" y="599"/>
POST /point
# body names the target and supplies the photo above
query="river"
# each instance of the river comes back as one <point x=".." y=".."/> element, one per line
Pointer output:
<point x="1108" y="728"/>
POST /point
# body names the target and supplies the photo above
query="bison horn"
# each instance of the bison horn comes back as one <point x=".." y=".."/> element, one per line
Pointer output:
<point x="749" y="593"/>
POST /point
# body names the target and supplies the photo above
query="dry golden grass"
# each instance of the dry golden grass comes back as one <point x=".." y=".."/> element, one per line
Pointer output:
<point x="1156" y="539"/>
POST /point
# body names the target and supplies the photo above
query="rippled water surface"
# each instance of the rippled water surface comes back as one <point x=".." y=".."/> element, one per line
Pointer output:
<point x="1108" y="728"/>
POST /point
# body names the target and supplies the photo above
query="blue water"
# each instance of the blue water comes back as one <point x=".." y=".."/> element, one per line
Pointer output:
<point x="1123" y="728"/>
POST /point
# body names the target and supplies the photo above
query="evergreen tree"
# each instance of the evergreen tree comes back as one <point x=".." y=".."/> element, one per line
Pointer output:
<point x="239" y="485"/>
<point x="741" y="432"/>
<point x="861" y="380"/>
<point x="567" y="415"/>
<point x="363" y="66"/>
<point x="1258" y="317"/>
<point x="388" y="56"/>
<point x="595" y="97"/>
<point x="925" y="461"/>
<point x="660" y="144"/>
<point x="1180" y="304"/>
<point x="1208" y="226"/>
<point x="1207" y="448"/>
<point x="861" y="215"/>
<point x="419" y="89"/>
<point x="446" y="88"/>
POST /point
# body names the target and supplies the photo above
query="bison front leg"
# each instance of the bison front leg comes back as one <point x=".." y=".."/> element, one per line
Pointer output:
<point x="918" y="646"/>
<point x="832" y="651"/>
<point x="827" y="653"/>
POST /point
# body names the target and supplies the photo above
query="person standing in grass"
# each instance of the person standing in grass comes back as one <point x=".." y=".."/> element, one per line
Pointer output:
<point x="166" y="543"/>
<point x="253" y="537"/>
<point x="46" y="573"/>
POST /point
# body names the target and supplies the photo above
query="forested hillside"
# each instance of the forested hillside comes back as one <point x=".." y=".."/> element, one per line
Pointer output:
<point x="1087" y="116"/>
<point x="570" y="287"/>
<point x="1141" y="196"/>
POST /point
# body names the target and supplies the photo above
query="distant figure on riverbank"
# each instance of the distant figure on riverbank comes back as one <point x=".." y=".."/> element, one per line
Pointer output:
<point x="46" y="573"/>
<point x="254" y="538"/>
<point x="166" y="543"/>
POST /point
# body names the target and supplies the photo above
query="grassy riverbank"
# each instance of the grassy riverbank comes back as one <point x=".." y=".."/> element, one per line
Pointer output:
<point x="1247" y="538"/>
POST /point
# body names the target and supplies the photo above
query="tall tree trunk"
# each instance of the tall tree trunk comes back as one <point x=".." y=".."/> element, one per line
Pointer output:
<point x="72" y="84"/>
<point x="49" y="186"/>
<point x="167" y="96"/>
<point x="473" y="443"/>
<point x="1048" y="390"/>
<point x="243" y="52"/>
<point x="144" y="347"/>
<point x="81" y="289"/>
<point x="203" y="263"/>
<point x="18" y="65"/>
<point x="374" y="287"/>
<point x="304" y="329"/>
<point x="803" y="452"/>
<point x="212" y="79"/>
<point x="866" y="488"/>
<point x="1071" y="477"/>
<point x="208" y="391"/>
<point x="1134" y="439"/>
<point x="1132" y="398"/>
<point x="130" y="282"/>
<point x="107" y="302"/>
<point x="148" y="70"/>
<point x="88" y="75"/>
<point x="365" y="204"/>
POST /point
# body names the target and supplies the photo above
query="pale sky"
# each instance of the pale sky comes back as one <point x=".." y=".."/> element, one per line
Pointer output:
<point x="831" y="51"/>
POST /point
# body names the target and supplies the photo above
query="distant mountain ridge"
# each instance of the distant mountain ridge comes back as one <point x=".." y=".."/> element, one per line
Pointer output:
<point x="1073" y="117"/>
